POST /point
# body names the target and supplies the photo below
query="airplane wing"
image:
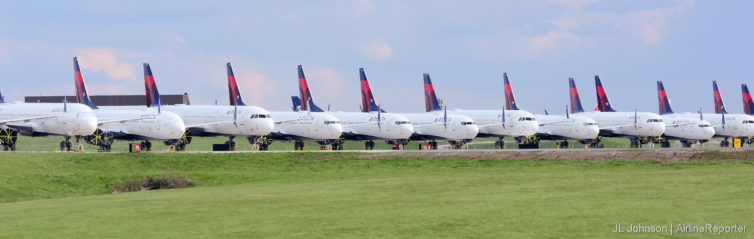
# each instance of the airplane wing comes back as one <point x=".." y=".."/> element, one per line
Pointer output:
<point x="122" y="120"/>
<point x="554" y="122"/>
<point x="283" y="121"/>
<point x="25" y="119"/>
<point x="617" y="126"/>
<point x="208" y="124"/>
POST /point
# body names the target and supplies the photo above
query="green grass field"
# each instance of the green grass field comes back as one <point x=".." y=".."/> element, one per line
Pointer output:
<point x="315" y="195"/>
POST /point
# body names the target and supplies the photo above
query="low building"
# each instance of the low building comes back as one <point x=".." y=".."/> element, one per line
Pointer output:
<point x="111" y="100"/>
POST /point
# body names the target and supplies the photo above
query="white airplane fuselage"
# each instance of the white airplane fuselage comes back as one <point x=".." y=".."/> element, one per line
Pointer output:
<point x="306" y="126"/>
<point x="736" y="125"/>
<point x="490" y="122"/>
<point x="623" y="124"/>
<point x="69" y="119"/>
<point x="687" y="127"/>
<point x="572" y="127"/>
<point x="163" y="125"/>
<point x="360" y="125"/>
<point x="432" y="126"/>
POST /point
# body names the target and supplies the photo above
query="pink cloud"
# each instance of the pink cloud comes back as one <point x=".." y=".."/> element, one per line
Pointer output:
<point x="104" y="59"/>
<point x="540" y="44"/>
<point x="377" y="51"/>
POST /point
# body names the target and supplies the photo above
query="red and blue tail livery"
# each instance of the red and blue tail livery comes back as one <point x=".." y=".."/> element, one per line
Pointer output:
<point x="233" y="93"/>
<point x="575" y="100"/>
<point x="748" y="104"/>
<point x="368" y="103"/>
<point x="307" y="103"/>
<point x="153" y="96"/>
<point x="510" y="102"/>
<point x="2" y="100"/>
<point x="603" y="104"/>
<point x="719" y="106"/>
<point x="430" y="99"/>
<point x="81" y="95"/>
<point x="662" y="98"/>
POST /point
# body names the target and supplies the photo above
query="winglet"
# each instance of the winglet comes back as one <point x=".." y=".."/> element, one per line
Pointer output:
<point x="307" y="103"/>
<point x="510" y="102"/>
<point x="603" y="104"/>
<point x="575" y="101"/>
<point x="81" y="95"/>
<point x="153" y="96"/>
<point x="662" y="98"/>
<point x="719" y="106"/>
<point x="748" y="103"/>
<point x="368" y="103"/>
<point x="430" y="99"/>
<point x="234" y="95"/>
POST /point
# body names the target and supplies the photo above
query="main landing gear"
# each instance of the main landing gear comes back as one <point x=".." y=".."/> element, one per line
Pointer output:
<point x="563" y="144"/>
<point x="499" y="144"/>
<point x="725" y="143"/>
<point x="369" y="145"/>
<point x="299" y="145"/>
<point x="232" y="144"/>
<point x="593" y="143"/>
<point x="146" y="146"/>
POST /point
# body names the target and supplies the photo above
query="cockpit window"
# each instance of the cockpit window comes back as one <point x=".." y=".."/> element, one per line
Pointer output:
<point x="748" y="122"/>
<point x="402" y="122"/>
<point x="654" y="120"/>
<point x="526" y="119"/>
<point x="590" y="123"/>
<point x="467" y="122"/>
<point x="704" y="125"/>
<point x="332" y="122"/>
<point x="260" y="116"/>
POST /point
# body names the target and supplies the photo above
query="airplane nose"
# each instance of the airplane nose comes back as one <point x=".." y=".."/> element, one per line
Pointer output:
<point x="88" y="125"/>
<point x="472" y="131"/>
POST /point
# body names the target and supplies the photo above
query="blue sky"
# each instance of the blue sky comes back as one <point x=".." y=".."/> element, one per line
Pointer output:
<point x="465" y="46"/>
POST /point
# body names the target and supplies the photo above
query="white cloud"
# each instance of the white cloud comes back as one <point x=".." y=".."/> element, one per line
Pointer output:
<point x="327" y="80"/>
<point x="377" y="51"/>
<point x="179" y="39"/>
<point x="104" y="59"/>
<point x="254" y="85"/>
<point x="540" y="44"/>
<point x="361" y="7"/>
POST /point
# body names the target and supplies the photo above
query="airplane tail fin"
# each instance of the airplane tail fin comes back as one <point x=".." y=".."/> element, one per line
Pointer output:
<point x="748" y="103"/>
<point x="510" y="102"/>
<point x="663" y="101"/>
<point x="81" y="95"/>
<point x="575" y="100"/>
<point x="368" y="103"/>
<point x="233" y="93"/>
<point x="430" y="98"/>
<point x="307" y="103"/>
<point x="2" y="100"/>
<point x="603" y="104"/>
<point x="719" y="106"/>
<point x="296" y="103"/>
<point x="153" y="96"/>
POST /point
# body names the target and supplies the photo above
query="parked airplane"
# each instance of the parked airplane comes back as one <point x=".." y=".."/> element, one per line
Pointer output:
<point x="128" y="124"/>
<point x="395" y="129"/>
<point x="297" y="126"/>
<point x="748" y="107"/>
<point x="432" y="126"/>
<point x="509" y="121"/>
<point x="211" y="120"/>
<point x="686" y="128"/>
<point x="729" y="125"/>
<point x="555" y="127"/>
<point x="45" y="119"/>
<point x="634" y="125"/>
